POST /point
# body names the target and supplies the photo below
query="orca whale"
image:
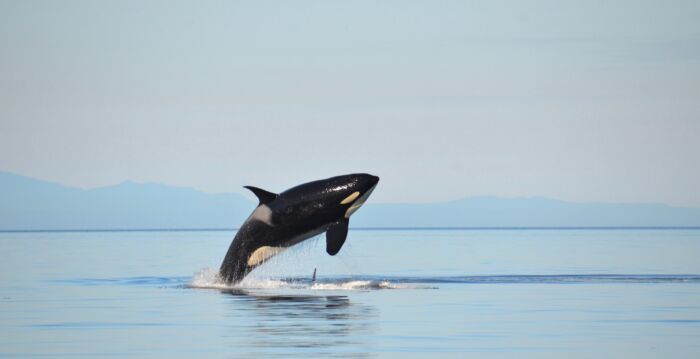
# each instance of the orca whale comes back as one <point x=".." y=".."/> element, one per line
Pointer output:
<point x="299" y="213"/>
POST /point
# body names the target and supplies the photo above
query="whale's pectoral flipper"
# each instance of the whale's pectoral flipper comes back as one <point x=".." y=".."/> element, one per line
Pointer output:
<point x="263" y="196"/>
<point x="335" y="236"/>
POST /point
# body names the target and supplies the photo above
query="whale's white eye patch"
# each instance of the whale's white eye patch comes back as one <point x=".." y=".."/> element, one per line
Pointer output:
<point x="262" y="254"/>
<point x="350" y="198"/>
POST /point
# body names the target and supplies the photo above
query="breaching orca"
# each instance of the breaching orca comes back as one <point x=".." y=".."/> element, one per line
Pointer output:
<point x="283" y="220"/>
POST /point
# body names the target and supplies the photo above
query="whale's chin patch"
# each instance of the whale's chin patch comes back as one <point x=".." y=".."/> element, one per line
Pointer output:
<point x="263" y="253"/>
<point x="360" y="201"/>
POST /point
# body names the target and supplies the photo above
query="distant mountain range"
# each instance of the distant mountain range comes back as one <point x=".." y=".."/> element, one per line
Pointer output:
<point x="31" y="204"/>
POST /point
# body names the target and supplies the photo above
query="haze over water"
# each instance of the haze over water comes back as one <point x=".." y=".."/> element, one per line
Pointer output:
<point x="389" y="293"/>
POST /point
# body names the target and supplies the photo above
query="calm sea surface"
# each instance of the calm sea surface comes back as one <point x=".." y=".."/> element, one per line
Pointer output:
<point x="629" y="293"/>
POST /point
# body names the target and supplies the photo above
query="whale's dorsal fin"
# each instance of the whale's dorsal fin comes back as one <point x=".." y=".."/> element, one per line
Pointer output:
<point x="335" y="236"/>
<point x="263" y="196"/>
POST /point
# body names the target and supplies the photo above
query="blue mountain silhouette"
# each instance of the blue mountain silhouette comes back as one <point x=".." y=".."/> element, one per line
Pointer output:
<point x="31" y="204"/>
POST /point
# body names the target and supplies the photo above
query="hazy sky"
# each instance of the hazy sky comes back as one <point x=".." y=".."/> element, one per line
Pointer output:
<point x="577" y="100"/>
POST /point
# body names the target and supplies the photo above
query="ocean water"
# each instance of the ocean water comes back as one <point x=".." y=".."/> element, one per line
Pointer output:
<point x="548" y="293"/>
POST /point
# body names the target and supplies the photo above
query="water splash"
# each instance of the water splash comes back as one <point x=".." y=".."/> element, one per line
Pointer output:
<point x="208" y="278"/>
<point x="365" y="285"/>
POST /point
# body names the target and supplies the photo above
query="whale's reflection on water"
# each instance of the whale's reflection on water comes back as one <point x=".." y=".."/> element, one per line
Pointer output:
<point x="325" y="325"/>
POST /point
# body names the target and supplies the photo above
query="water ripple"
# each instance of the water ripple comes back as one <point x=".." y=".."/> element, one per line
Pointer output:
<point x="209" y="279"/>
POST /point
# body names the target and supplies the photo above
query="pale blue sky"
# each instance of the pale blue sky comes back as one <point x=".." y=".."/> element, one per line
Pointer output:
<point x="576" y="100"/>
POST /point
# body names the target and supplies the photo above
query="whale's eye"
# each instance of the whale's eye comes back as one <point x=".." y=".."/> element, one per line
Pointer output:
<point x="350" y="198"/>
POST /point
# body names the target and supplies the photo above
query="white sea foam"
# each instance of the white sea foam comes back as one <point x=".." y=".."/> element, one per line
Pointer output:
<point x="363" y="285"/>
<point x="209" y="278"/>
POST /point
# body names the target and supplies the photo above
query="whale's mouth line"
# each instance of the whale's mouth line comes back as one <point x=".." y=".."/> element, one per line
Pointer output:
<point x="359" y="202"/>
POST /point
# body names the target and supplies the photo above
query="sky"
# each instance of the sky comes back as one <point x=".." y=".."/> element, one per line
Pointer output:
<point x="595" y="101"/>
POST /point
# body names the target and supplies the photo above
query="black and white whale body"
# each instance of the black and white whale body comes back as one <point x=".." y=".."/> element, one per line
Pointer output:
<point x="283" y="220"/>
